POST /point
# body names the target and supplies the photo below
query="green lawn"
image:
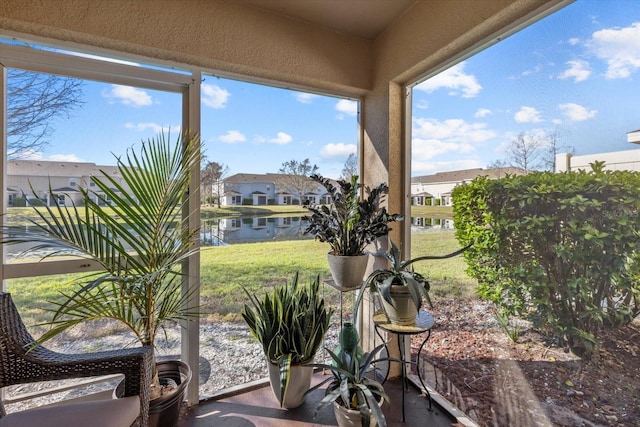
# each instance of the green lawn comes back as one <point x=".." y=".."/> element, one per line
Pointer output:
<point x="258" y="267"/>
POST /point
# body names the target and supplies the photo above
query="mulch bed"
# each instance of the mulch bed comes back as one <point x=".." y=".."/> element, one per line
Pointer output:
<point x="473" y="364"/>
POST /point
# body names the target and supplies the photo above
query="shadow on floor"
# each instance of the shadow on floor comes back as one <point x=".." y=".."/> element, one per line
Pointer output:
<point x="259" y="408"/>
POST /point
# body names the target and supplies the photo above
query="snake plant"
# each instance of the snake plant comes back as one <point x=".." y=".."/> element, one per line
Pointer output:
<point x="290" y="323"/>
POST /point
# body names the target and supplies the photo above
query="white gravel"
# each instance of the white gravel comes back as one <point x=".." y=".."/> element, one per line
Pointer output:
<point x="229" y="356"/>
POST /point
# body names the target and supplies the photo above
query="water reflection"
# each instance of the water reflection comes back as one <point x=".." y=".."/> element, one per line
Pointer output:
<point x="225" y="231"/>
<point x="422" y="224"/>
<point x="252" y="229"/>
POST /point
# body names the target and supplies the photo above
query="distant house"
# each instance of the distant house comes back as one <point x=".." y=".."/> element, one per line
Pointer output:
<point x="435" y="190"/>
<point x="31" y="179"/>
<point x="269" y="189"/>
<point x="634" y="136"/>
<point x="615" y="160"/>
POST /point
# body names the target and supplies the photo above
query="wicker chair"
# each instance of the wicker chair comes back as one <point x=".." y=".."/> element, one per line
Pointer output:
<point x="18" y="366"/>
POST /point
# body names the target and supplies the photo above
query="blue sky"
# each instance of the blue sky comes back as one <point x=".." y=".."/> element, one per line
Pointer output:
<point x="575" y="73"/>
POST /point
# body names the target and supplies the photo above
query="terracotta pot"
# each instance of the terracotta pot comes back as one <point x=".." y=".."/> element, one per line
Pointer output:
<point x="299" y="383"/>
<point x="347" y="271"/>
<point x="403" y="311"/>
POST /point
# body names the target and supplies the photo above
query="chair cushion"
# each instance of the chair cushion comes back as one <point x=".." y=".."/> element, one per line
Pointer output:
<point x="99" y="413"/>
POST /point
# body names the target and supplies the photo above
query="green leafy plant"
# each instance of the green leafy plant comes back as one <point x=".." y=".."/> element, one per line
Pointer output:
<point x="401" y="273"/>
<point x="561" y="250"/>
<point x="289" y="323"/>
<point x="135" y="231"/>
<point x="351" y="387"/>
<point x="349" y="224"/>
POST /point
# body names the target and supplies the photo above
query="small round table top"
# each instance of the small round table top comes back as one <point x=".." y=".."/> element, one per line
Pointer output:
<point x="424" y="322"/>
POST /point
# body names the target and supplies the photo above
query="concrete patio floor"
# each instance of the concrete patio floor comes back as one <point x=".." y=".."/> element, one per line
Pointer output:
<point x="258" y="408"/>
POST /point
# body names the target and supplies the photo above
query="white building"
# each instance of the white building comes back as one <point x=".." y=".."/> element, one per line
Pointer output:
<point x="436" y="189"/>
<point x="616" y="160"/>
<point x="33" y="179"/>
<point x="268" y="189"/>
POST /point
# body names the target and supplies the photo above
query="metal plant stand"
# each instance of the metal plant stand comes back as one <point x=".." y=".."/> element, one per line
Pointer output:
<point x="424" y="323"/>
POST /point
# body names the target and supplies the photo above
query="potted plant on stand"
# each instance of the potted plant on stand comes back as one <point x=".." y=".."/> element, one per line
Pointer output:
<point x="290" y="324"/>
<point x="349" y="224"/>
<point x="133" y="229"/>
<point x="401" y="289"/>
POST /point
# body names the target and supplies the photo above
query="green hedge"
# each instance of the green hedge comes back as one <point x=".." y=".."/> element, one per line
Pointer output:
<point x="560" y="249"/>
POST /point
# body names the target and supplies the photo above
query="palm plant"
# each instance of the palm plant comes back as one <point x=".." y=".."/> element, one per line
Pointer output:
<point x="134" y="231"/>
<point x="290" y="324"/>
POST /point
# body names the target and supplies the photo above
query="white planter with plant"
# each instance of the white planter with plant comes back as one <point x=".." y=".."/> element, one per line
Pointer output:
<point x="401" y="289"/>
<point x="135" y="231"/>
<point x="356" y="396"/>
<point x="290" y="323"/>
<point x="349" y="224"/>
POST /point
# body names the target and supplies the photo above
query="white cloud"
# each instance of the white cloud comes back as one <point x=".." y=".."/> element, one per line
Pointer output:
<point x="128" y="95"/>
<point x="64" y="158"/>
<point x="155" y="127"/>
<point x="527" y="115"/>
<point x="214" y="96"/>
<point x="455" y="79"/>
<point x="573" y="41"/>
<point x="338" y="150"/>
<point x="577" y="70"/>
<point x="619" y="48"/>
<point x="305" y="98"/>
<point x="347" y="107"/>
<point x="281" y="139"/>
<point x="576" y="112"/>
<point x="37" y="155"/>
<point x="535" y="70"/>
<point x="422" y="104"/>
<point x="482" y="112"/>
<point x="232" y="137"/>
<point x="433" y="138"/>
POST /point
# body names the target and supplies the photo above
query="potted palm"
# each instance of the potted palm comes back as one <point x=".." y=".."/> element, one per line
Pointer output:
<point x="290" y="323"/>
<point x="349" y="224"/>
<point x="135" y="232"/>
<point x="356" y="397"/>
<point x="401" y="289"/>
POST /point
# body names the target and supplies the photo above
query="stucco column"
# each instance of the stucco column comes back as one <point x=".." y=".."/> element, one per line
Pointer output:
<point x="382" y="159"/>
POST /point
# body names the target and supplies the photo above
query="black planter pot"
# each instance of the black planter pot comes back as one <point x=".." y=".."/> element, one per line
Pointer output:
<point x="165" y="411"/>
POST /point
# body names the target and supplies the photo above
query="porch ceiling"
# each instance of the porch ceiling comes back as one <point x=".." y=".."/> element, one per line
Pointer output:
<point x="362" y="18"/>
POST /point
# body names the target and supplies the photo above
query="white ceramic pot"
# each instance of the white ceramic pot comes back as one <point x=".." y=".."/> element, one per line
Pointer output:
<point x="299" y="383"/>
<point x="347" y="271"/>
<point x="403" y="311"/>
<point x="349" y="417"/>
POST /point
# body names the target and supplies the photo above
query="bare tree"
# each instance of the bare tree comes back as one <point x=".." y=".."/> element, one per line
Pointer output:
<point x="211" y="179"/>
<point x="525" y="151"/>
<point x="295" y="177"/>
<point x="497" y="164"/>
<point x="350" y="168"/>
<point x="34" y="102"/>
<point x="553" y="149"/>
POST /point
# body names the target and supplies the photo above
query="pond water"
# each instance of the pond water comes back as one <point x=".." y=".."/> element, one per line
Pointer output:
<point x="230" y="231"/>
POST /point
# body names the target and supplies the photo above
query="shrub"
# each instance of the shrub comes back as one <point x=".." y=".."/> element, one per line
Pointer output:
<point x="560" y="249"/>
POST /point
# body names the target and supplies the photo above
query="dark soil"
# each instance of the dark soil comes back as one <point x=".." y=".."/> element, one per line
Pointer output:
<point x="474" y="365"/>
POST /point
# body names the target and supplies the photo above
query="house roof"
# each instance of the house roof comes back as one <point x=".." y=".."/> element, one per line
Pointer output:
<point x="466" y="175"/>
<point x="267" y="178"/>
<point x="57" y="169"/>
